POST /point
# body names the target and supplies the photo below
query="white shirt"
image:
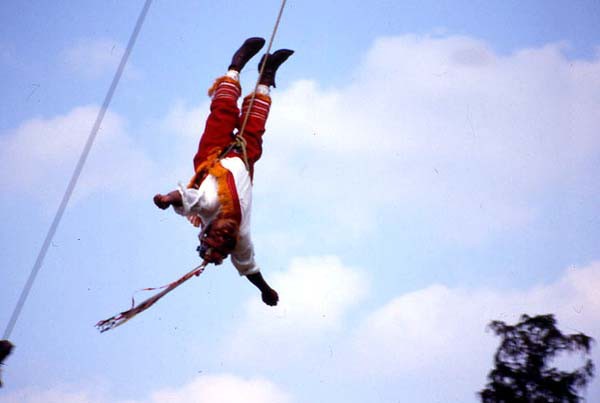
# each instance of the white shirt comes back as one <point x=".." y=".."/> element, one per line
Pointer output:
<point x="204" y="202"/>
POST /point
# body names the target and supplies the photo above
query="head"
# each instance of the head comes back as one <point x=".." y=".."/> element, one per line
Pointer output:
<point x="218" y="240"/>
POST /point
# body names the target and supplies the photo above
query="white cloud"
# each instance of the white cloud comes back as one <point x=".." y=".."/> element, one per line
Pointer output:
<point x="438" y="132"/>
<point x="427" y="345"/>
<point x="437" y="333"/>
<point x="224" y="388"/>
<point x="58" y="394"/>
<point x="94" y="58"/>
<point x="186" y="121"/>
<point x="315" y="294"/>
<point x="39" y="156"/>
<point x="187" y="124"/>
<point x="441" y="130"/>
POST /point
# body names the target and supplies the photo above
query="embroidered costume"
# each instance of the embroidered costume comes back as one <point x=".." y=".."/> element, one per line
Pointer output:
<point x="219" y="196"/>
<point x="225" y="185"/>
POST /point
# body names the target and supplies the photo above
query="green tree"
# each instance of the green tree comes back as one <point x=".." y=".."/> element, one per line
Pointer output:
<point x="523" y="371"/>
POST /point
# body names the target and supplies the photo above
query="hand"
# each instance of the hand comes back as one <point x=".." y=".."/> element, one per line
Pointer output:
<point x="170" y="199"/>
<point x="161" y="201"/>
<point x="195" y="220"/>
<point x="270" y="297"/>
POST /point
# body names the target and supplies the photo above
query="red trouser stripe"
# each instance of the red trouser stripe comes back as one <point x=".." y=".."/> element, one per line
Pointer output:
<point x="234" y="197"/>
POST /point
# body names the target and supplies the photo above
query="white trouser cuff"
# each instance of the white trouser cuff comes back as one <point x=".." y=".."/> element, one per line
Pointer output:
<point x="235" y="75"/>
<point x="263" y="89"/>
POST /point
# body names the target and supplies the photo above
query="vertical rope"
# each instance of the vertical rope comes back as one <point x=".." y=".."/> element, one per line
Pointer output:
<point x="76" y="173"/>
<point x="262" y="69"/>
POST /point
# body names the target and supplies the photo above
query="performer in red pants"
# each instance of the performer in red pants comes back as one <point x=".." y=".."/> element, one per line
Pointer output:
<point x="219" y="197"/>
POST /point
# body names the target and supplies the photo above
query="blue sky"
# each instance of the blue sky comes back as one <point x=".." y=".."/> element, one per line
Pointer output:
<point x="429" y="167"/>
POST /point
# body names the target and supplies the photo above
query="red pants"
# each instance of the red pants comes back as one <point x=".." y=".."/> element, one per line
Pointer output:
<point x="225" y="117"/>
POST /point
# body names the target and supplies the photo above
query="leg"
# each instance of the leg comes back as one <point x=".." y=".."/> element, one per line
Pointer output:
<point x="269" y="295"/>
<point x="224" y="112"/>
<point x="223" y="119"/>
<point x="255" y="126"/>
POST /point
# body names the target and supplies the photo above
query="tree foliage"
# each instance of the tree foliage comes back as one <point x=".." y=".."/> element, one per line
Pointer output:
<point x="523" y="371"/>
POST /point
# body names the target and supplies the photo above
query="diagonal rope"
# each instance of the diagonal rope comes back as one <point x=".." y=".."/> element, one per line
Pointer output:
<point x="240" y="135"/>
<point x="77" y="172"/>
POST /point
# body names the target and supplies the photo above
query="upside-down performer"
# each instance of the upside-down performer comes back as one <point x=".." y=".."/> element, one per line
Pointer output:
<point x="219" y="197"/>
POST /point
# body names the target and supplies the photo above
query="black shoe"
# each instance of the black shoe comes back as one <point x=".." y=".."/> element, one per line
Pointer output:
<point x="272" y="64"/>
<point x="250" y="47"/>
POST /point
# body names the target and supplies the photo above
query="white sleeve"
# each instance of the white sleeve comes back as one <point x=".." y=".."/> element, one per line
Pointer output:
<point x="189" y="199"/>
<point x="242" y="256"/>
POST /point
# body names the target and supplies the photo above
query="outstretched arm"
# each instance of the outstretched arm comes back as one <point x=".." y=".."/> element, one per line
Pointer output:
<point x="269" y="295"/>
<point x="170" y="199"/>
